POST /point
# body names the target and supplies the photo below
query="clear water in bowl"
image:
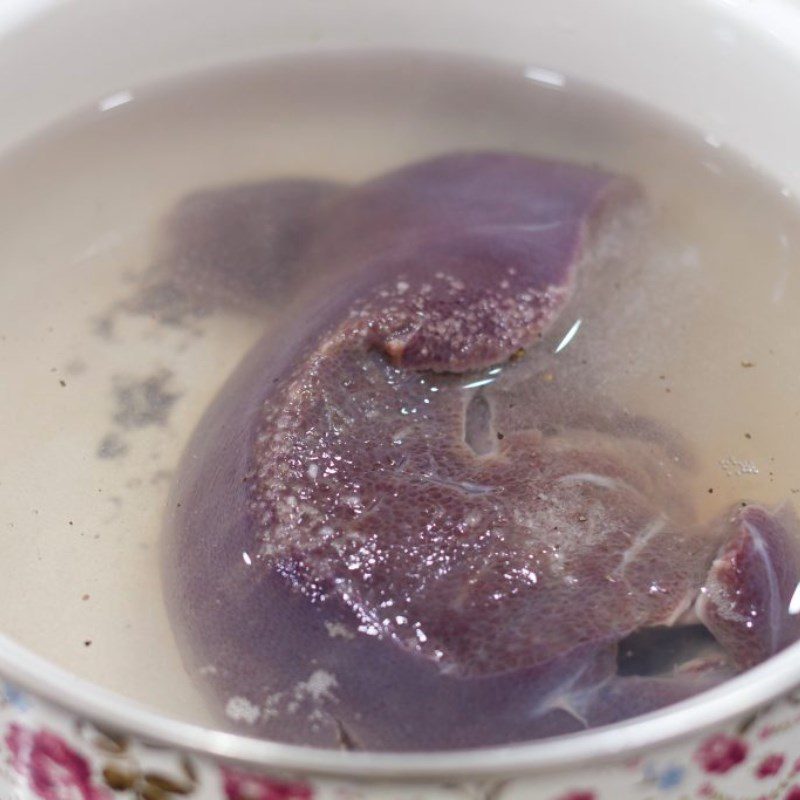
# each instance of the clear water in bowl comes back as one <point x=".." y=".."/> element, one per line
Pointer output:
<point x="98" y="398"/>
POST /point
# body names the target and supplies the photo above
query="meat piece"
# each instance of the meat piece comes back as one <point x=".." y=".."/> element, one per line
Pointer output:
<point x="747" y="598"/>
<point x="391" y="532"/>
<point x="366" y="488"/>
<point x="332" y="490"/>
<point x="233" y="247"/>
<point x="478" y="253"/>
<point x="623" y="697"/>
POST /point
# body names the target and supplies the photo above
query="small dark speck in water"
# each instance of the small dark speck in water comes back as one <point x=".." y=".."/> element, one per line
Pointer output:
<point x="62" y="382"/>
<point x="70" y="522"/>
<point x="75" y="367"/>
<point x="711" y="491"/>
<point x="85" y="597"/>
<point x="112" y="445"/>
<point x="103" y="327"/>
<point x="748" y="364"/>
<point x="160" y="476"/>
<point x="748" y="436"/>
<point x="87" y="642"/>
<point x="143" y="402"/>
<point x="116" y="505"/>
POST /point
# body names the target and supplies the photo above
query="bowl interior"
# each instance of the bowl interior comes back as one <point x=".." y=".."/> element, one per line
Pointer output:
<point x="728" y="53"/>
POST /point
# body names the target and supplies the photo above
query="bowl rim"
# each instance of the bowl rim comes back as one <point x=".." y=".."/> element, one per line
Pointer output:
<point x="737" y="697"/>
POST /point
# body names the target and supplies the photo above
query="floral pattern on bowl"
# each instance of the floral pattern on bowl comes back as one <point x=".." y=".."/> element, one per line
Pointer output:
<point x="45" y="754"/>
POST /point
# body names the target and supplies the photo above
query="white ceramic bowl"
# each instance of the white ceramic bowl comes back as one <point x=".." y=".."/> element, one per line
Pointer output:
<point x="730" y="68"/>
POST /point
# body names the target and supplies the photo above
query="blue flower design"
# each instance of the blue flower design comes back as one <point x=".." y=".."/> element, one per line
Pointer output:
<point x="671" y="777"/>
<point x="665" y="778"/>
<point x="15" y="697"/>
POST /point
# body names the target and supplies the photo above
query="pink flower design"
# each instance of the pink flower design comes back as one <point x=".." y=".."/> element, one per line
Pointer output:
<point x="241" y="785"/>
<point x="766" y="732"/>
<point x="795" y="767"/>
<point x="793" y="793"/>
<point x="771" y="765"/>
<point x="53" y="769"/>
<point x="706" y="790"/>
<point x="720" y="753"/>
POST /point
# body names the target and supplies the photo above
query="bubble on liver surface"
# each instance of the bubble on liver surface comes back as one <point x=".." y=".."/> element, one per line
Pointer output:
<point x="394" y="529"/>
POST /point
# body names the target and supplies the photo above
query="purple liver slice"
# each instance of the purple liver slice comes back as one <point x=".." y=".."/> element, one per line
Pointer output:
<point x="236" y="246"/>
<point x="478" y="253"/>
<point x="378" y="540"/>
<point x="746" y="602"/>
